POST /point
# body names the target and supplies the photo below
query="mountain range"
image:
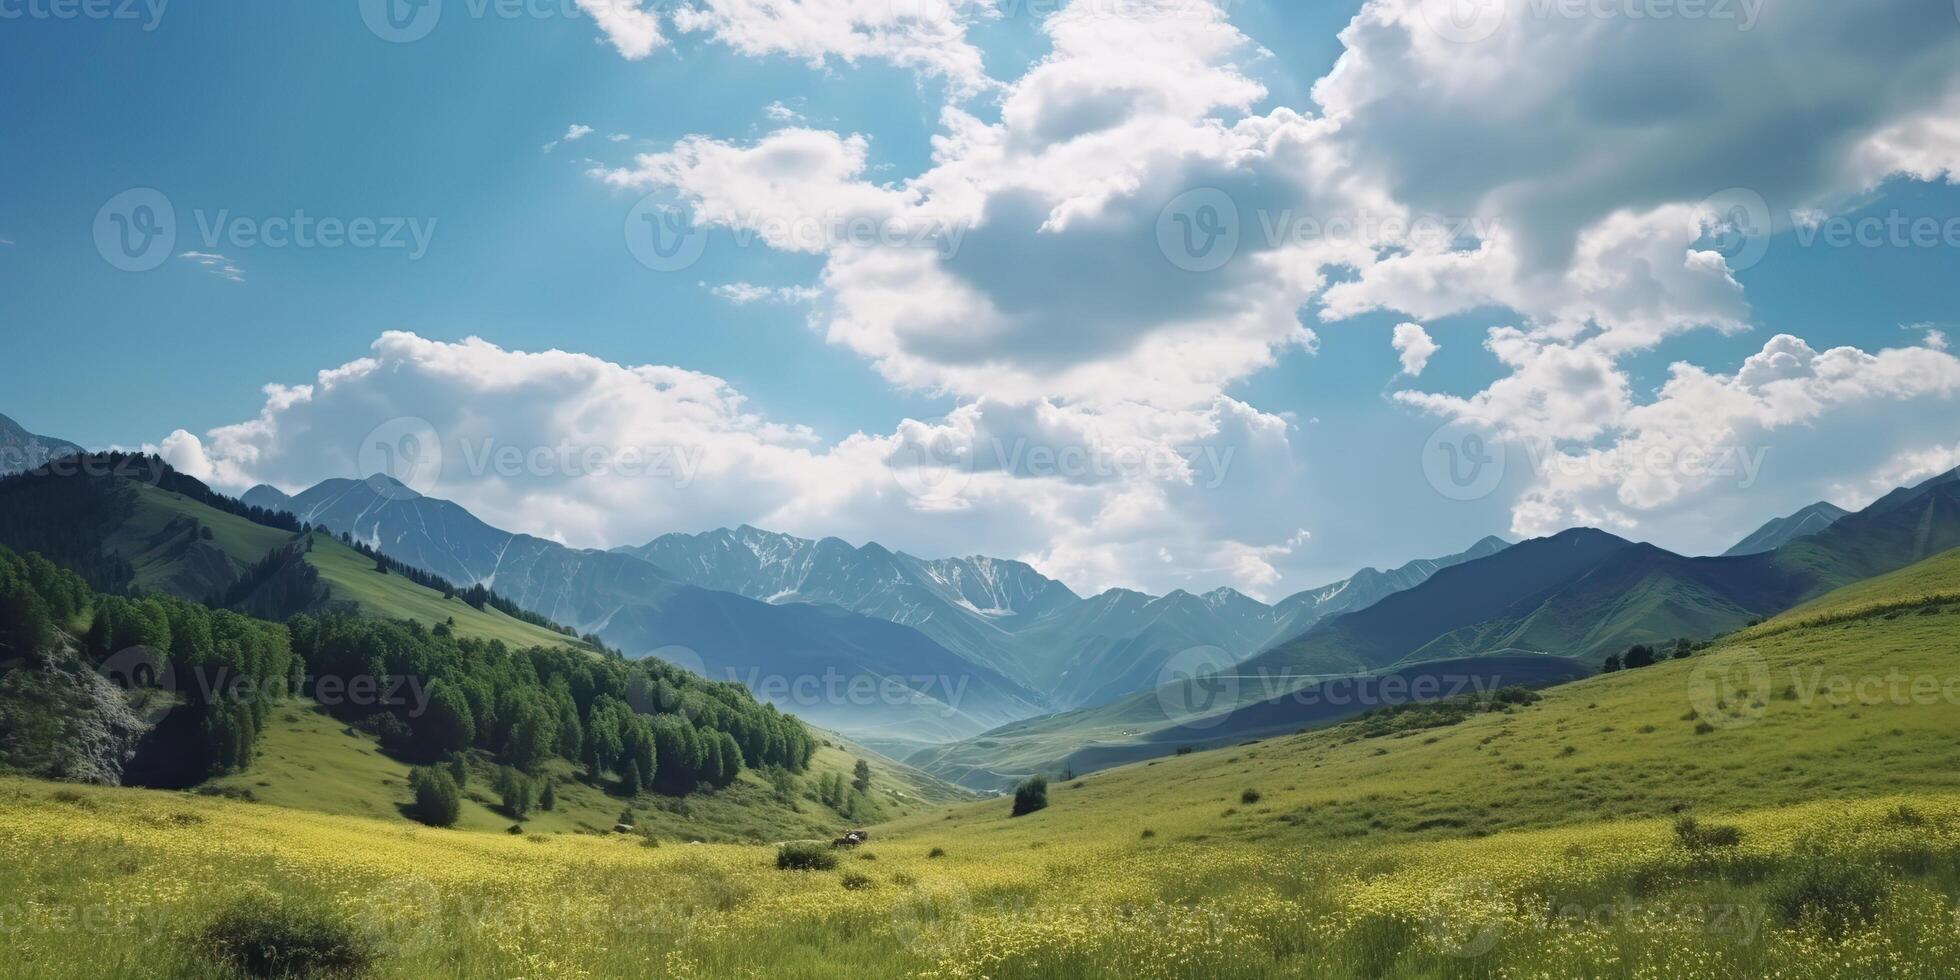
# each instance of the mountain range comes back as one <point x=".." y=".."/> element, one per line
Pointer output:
<point x="1784" y="530"/>
<point x="1078" y="651"/>
<point x="1575" y="598"/>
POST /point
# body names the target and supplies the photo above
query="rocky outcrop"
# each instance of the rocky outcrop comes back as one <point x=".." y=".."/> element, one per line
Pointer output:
<point x="61" y="720"/>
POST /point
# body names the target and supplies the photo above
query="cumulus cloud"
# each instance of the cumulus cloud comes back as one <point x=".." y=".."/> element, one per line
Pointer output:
<point x="594" y="453"/>
<point x="633" y="29"/>
<point x="927" y="36"/>
<point x="1573" y="170"/>
<point x="1030" y="260"/>
<point x="1589" y="140"/>
<point x="1689" y="465"/>
<point x="1414" y="346"/>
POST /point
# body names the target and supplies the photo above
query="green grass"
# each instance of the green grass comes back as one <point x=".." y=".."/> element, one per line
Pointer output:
<point x="167" y="557"/>
<point x="309" y="761"/>
<point x="353" y="578"/>
<point x="1826" y="845"/>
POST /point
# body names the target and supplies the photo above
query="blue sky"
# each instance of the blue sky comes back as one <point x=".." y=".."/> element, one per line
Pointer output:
<point x="257" y="111"/>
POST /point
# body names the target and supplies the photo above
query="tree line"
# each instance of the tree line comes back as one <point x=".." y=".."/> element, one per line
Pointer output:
<point x="427" y="693"/>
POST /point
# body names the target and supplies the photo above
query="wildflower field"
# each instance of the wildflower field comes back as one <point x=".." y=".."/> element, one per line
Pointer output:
<point x="1786" y="805"/>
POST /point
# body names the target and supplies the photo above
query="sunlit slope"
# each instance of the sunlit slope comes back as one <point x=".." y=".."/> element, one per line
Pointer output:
<point x="1639" y="743"/>
<point x="310" y="761"/>
<point x="1927" y="583"/>
<point x="170" y="555"/>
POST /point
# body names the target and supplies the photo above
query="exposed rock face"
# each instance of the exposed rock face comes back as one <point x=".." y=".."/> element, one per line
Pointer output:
<point x="61" y="720"/>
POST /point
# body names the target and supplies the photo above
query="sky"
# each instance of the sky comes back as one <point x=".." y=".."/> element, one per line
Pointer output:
<point x="1156" y="294"/>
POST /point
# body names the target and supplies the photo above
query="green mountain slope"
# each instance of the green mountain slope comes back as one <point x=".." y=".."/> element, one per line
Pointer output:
<point x="1615" y="746"/>
<point x="802" y="656"/>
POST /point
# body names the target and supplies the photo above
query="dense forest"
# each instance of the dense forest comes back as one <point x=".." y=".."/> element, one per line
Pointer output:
<point x="427" y="694"/>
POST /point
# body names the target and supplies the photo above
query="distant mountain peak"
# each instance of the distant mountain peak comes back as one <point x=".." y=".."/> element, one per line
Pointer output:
<point x="1783" y="530"/>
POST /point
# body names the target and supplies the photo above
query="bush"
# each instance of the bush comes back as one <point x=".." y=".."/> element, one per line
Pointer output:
<point x="1696" y="837"/>
<point x="548" y="800"/>
<point x="1829" y="893"/>
<point x="437" y="800"/>
<point x="937" y="852"/>
<point x="261" y="938"/>
<point x="519" y="792"/>
<point x="1030" y="796"/>
<point x="805" y="856"/>
<point x="854" y="881"/>
<point x="1249" y="797"/>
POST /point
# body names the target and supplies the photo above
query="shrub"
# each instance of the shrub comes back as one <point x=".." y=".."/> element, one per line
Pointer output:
<point x="805" y="856"/>
<point x="261" y="938"/>
<point x="937" y="852"/>
<point x="437" y="800"/>
<point x="853" y="881"/>
<point x="1904" y="816"/>
<point x="1695" y="837"/>
<point x="1704" y="728"/>
<point x="1030" y="796"/>
<point x="1148" y="833"/>
<point x="548" y="800"/>
<point x="1249" y="797"/>
<point x="519" y="792"/>
<point x="1830" y="893"/>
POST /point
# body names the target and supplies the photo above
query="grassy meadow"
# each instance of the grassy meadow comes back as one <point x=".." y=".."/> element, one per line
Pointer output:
<point x="1786" y="804"/>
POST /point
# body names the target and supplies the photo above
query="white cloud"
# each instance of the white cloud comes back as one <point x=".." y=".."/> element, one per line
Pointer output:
<point x="1568" y="159"/>
<point x="1687" y="467"/>
<point x="216" y="264"/>
<point x="1414" y="346"/>
<point x="1093" y="496"/>
<point x="778" y="112"/>
<point x="747" y="293"/>
<point x="633" y="29"/>
<point x="927" y="36"/>
<point x="1026" y="262"/>
<point x="573" y="134"/>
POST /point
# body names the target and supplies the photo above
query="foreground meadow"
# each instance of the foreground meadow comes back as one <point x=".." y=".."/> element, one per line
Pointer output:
<point x="104" y="883"/>
<point x="1784" y="805"/>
